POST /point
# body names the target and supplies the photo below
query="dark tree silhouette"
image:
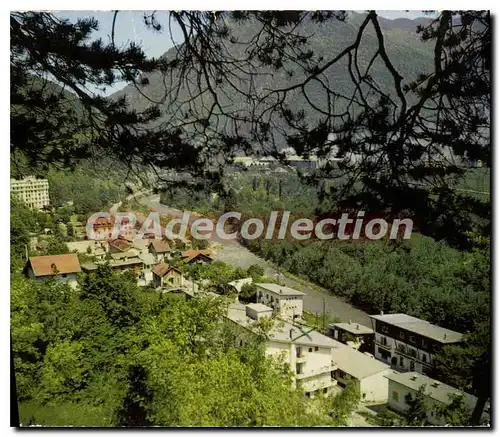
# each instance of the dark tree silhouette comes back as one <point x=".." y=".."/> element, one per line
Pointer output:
<point x="402" y="143"/>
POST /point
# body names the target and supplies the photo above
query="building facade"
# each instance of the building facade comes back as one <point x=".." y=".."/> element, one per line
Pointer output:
<point x="32" y="191"/>
<point x="63" y="268"/>
<point x="363" y="370"/>
<point x="306" y="352"/>
<point x="408" y="343"/>
<point x="285" y="301"/>
<point x="167" y="276"/>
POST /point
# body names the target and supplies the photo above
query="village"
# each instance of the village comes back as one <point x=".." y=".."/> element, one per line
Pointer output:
<point x="386" y="361"/>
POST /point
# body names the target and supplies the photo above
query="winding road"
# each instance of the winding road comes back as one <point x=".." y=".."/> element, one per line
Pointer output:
<point x="233" y="253"/>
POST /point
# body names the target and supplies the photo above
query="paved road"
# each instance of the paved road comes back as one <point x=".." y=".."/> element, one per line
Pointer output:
<point x="231" y="252"/>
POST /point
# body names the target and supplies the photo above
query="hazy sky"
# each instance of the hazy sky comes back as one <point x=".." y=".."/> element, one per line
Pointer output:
<point x="129" y="27"/>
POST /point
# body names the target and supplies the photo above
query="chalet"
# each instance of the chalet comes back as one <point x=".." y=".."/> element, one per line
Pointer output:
<point x="196" y="256"/>
<point x="167" y="276"/>
<point x="159" y="249"/>
<point x="64" y="268"/>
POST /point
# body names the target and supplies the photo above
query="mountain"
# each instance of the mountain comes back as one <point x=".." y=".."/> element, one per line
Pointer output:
<point x="408" y="53"/>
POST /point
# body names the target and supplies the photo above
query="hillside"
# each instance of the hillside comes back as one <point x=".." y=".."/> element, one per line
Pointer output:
<point x="408" y="53"/>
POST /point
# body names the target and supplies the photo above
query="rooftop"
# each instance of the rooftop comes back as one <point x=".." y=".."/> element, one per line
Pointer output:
<point x="356" y="363"/>
<point x="259" y="307"/>
<point x="120" y="244"/>
<point x="283" y="332"/>
<point x="147" y="258"/>
<point x="353" y="328"/>
<point x="421" y="327"/>
<point x="160" y="246"/>
<point x="281" y="290"/>
<point x="189" y="255"/>
<point x="45" y="265"/>
<point x="238" y="283"/>
<point x="434" y="389"/>
<point x="162" y="269"/>
<point x="113" y="263"/>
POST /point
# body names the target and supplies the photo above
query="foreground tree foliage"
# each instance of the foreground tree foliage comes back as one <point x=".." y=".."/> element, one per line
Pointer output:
<point x="82" y="359"/>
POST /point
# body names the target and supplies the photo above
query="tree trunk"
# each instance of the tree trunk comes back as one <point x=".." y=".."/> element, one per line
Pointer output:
<point x="478" y="411"/>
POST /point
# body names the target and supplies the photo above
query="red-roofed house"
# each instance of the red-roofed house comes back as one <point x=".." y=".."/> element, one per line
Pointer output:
<point x="167" y="276"/>
<point x="64" y="268"/>
<point x="196" y="256"/>
<point x="119" y="245"/>
<point x="159" y="249"/>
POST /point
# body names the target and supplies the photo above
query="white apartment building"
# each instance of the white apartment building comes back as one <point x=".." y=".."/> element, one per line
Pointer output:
<point x="32" y="191"/>
<point x="307" y="352"/>
<point x="287" y="302"/>
<point x="436" y="393"/>
<point x="408" y="343"/>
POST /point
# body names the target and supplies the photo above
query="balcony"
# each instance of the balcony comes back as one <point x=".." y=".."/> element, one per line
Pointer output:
<point x="317" y="371"/>
<point x="405" y="353"/>
<point x="386" y="346"/>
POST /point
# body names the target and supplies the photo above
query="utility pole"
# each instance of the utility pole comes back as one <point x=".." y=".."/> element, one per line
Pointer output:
<point x="324" y="314"/>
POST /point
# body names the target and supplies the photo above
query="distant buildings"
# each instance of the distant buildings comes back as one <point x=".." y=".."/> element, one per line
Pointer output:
<point x="285" y="301"/>
<point x="32" y="191"/>
<point x="408" y="343"/>
<point x="63" y="268"/>
<point x="436" y="393"/>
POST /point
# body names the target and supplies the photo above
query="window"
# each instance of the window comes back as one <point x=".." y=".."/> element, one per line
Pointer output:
<point x="241" y="342"/>
<point x="401" y="362"/>
<point x="316" y="348"/>
<point x="412" y="366"/>
<point x="384" y="329"/>
<point x="395" y="395"/>
<point x="402" y="335"/>
<point x="325" y="390"/>
<point x="412" y="338"/>
<point x="424" y="358"/>
<point x="298" y="352"/>
<point x="308" y="394"/>
<point x="310" y="349"/>
<point x="64" y="275"/>
<point x="299" y="368"/>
